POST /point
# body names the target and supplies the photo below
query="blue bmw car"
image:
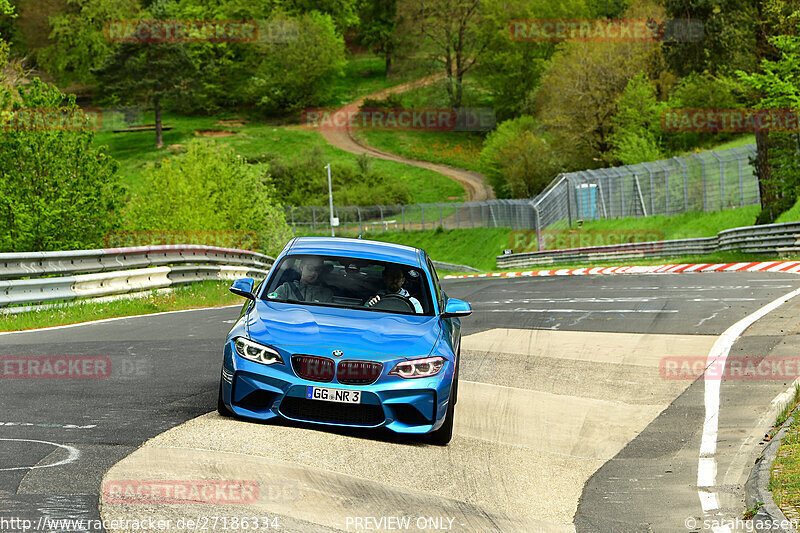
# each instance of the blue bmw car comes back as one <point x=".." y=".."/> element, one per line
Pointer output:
<point x="346" y="332"/>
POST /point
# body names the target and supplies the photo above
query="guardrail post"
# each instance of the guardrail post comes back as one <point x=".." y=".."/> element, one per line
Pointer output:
<point x="569" y="201"/>
<point x="650" y="172"/>
<point x="537" y="226"/>
<point x="685" y="184"/>
<point x="380" y="208"/>
<point x="721" y="180"/>
<point x="403" y="216"/>
<point x="741" y="177"/>
<point x="666" y="184"/>
<point x="360" y="227"/>
<point x="313" y="219"/>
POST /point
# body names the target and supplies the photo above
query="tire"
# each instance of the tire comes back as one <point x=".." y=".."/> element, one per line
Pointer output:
<point x="222" y="409"/>
<point x="443" y="435"/>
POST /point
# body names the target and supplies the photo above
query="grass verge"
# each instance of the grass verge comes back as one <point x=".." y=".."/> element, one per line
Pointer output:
<point x="785" y="475"/>
<point x="457" y="149"/>
<point x="194" y="296"/>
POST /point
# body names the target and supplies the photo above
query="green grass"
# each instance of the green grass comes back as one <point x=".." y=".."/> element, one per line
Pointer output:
<point x="792" y="215"/>
<point x="363" y="75"/>
<point x="194" y="296"/>
<point x="457" y="149"/>
<point x="684" y="226"/>
<point x="785" y="476"/>
<point x="741" y="140"/>
<point x="255" y="139"/>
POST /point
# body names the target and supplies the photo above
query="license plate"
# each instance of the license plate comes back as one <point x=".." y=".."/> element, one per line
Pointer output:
<point x="333" y="395"/>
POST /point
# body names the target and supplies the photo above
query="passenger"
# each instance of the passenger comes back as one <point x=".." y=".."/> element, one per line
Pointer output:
<point x="307" y="288"/>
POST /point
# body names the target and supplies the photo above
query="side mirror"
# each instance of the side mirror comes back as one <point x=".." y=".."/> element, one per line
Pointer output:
<point x="243" y="287"/>
<point x="455" y="308"/>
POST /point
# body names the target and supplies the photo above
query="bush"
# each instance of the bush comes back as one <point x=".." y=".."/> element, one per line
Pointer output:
<point x="56" y="191"/>
<point x="636" y="136"/>
<point x="300" y="72"/>
<point x="304" y="182"/>
<point x="518" y="159"/>
<point x="209" y="188"/>
<point x="702" y="91"/>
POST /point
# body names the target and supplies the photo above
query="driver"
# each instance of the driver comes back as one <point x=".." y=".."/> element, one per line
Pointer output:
<point x="306" y="289"/>
<point x="393" y="279"/>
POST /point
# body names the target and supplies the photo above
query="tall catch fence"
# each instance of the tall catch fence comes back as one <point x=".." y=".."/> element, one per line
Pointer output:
<point x="704" y="181"/>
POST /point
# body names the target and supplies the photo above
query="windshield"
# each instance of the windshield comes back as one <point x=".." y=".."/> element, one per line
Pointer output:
<point x="348" y="282"/>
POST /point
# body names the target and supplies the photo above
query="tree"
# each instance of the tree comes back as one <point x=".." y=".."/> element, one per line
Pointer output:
<point x="147" y="73"/>
<point x="512" y="70"/>
<point x="79" y="42"/>
<point x="518" y="158"/>
<point x="778" y="82"/>
<point x="636" y="135"/>
<point x="579" y="93"/>
<point x="208" y="188"/>
<point x="450" y="33"/>
<point x="738" y="37"/>
<point x="379" y="28"/>
<point x="56" y="190"/>
<point x="287" y="77"/>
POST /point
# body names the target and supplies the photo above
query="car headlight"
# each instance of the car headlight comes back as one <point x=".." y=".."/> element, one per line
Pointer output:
<point x="419" y="368"/>
<point x="253" y="351"/>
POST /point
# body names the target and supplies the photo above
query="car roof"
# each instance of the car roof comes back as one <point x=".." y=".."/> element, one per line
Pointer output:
<point x="359" y="248"/>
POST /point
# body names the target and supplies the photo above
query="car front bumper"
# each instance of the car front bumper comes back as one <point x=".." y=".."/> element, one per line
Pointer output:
<point x="263" y="392"/>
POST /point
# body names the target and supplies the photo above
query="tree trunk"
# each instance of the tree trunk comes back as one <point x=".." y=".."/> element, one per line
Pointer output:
<point x="763" y="165"/>
<point x="766" y="185"/>
<point x="159" y="138"/>
<point x="388" y="64"/>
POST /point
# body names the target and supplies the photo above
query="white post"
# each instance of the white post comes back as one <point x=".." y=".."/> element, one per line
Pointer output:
<point x="330" y="196"/>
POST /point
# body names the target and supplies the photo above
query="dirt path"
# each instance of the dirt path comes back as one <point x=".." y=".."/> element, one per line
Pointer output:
<point x="473" y="182"/>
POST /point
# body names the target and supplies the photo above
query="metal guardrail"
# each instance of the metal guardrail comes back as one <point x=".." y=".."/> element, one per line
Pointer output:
<point x="769" y="238"/>
<point x="70" y="275"/>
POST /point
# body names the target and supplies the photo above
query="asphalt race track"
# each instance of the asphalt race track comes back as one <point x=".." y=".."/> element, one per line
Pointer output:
<point x="566" y="418"/>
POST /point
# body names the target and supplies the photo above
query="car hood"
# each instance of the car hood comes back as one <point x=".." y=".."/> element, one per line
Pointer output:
<point x="357" y="333"/>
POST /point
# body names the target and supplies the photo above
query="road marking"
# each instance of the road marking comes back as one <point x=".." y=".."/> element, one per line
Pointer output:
<point x="72" y="456"/>
<point x="578" y="310"/>
<point x="707" y="463"/>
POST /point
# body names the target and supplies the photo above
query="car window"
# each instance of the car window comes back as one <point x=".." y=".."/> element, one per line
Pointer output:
<point x="348" y="282"/>
<point x="436" y="286"/>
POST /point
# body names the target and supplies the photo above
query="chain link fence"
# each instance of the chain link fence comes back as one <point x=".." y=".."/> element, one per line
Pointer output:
<point x="706" y="181"/>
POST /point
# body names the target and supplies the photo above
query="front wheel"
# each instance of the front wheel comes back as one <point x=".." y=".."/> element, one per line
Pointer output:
<point x="222" y="409"/>
<point x="443" y="435"/>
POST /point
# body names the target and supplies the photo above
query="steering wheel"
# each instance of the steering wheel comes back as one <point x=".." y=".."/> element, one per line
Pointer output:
<point x="394" y="302"/>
